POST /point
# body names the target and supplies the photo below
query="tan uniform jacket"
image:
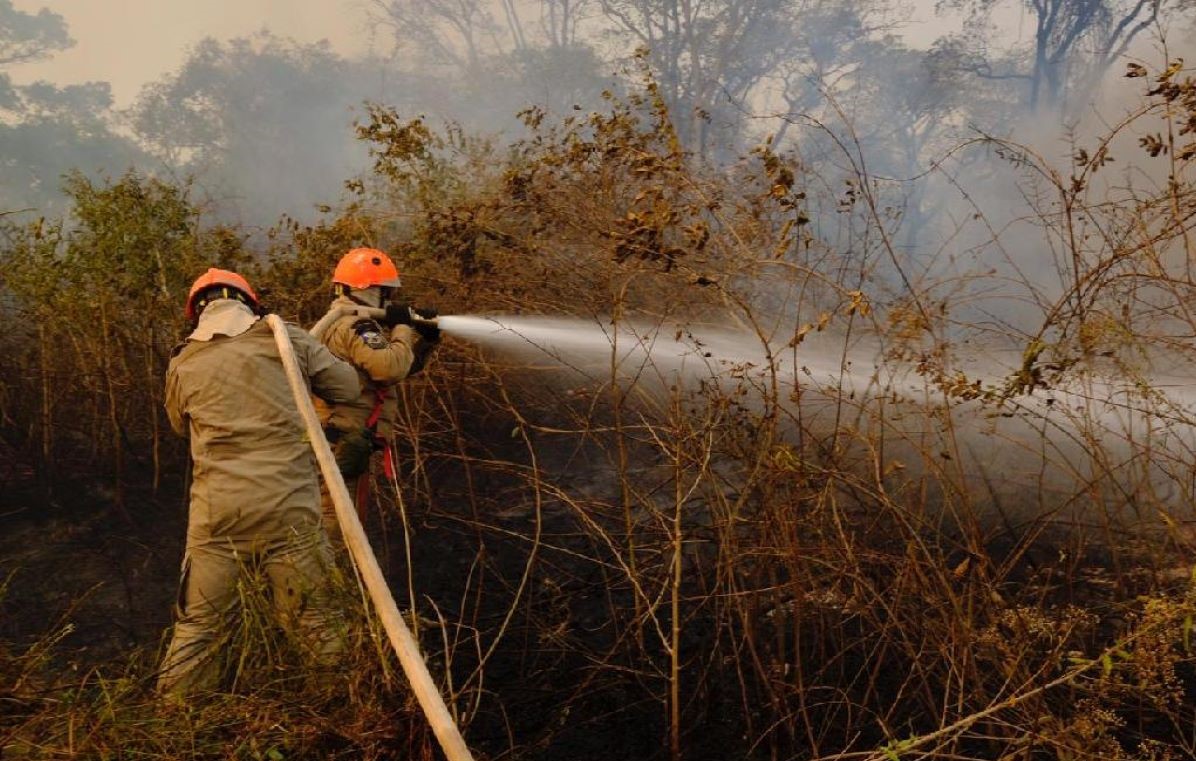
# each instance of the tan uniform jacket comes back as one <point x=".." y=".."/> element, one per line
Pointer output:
<point x="382" y="357"/>
<point x="254" y="476"/>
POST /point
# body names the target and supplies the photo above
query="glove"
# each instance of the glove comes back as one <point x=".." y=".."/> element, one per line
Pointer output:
<point x="397" y="314"/>
<point x="429" y="336"/>
<point x="352" y="451"/>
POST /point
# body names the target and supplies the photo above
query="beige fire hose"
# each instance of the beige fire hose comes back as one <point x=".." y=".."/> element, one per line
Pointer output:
<point x="400" y="637"/>
<point x="336" y="313"/>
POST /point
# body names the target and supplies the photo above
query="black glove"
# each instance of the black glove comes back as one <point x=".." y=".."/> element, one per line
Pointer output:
<point x="429" y="331"/>
<point x="352" y="451"/>
<point x="397" y="314"/>
<point x="428" y="313"/>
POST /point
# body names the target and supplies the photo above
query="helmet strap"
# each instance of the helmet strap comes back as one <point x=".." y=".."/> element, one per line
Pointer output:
<point x="371" y="296"/>
<point x="208" y="295"/>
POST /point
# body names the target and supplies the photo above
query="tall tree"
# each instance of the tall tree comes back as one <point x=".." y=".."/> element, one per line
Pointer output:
<point x="832" y="45"/>
<point x="458" y="33"/>
<point x="707" y="56"/>
<point x="1074" y="43"/>
<point x="58" y="131"/>
<point x="265" y="123"/>
<point x="28" y="37"/>
<point x="48" y="131"/>
<point x="560" y="21"/>
<point x="476" y="63"/>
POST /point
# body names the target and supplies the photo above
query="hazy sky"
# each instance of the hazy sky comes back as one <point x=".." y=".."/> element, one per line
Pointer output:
<point x="132" y="42"/>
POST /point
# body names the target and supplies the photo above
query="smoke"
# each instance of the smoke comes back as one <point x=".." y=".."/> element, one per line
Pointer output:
<point x="972" y="185"/>
<point x="265" y="122"/>
<point x="892" y="142"/>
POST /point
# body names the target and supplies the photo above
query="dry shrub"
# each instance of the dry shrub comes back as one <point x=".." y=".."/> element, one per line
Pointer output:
<point x="762" y="562"/>
<point x="275" y="701"/>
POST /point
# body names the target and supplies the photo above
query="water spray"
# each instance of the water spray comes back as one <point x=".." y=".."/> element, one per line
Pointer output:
<point x="831" y="386"/>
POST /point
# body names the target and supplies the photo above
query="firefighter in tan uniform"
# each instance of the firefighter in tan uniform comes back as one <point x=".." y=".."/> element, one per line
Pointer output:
<point x="383" y="351"/>
<point x="254" y="493"/>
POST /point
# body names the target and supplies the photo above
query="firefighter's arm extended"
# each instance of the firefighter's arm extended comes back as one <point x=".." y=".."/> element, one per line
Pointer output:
<point x="332" y="379"/>
<point x="385" y="355"/>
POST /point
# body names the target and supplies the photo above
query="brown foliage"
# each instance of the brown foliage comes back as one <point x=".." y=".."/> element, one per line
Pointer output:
<point x="758" y="563"/>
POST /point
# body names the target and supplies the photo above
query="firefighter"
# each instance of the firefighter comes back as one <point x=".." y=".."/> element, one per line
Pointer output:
<point x="384" y="351"/>
<point x="254" y="492"/>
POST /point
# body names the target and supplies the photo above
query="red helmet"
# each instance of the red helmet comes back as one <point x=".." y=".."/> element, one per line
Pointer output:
<point x="363" y="267"/>
<point x="217" y="277"/>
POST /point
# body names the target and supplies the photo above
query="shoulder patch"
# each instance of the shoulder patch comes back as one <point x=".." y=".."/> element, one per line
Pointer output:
<point x="371" y="334"/>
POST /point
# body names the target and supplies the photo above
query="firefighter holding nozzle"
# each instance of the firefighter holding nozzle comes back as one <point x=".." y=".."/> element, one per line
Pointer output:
<point x="385" y="341"/>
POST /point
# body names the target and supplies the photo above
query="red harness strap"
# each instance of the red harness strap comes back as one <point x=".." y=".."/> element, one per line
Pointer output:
<point x="379" y="400"/>
<point x="388" y="463"/>
<point x="362" y="497"/>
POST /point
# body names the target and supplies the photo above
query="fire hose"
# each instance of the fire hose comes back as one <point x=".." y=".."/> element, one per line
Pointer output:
<point x="414" y="317"/>
<point x="362" y="554"/>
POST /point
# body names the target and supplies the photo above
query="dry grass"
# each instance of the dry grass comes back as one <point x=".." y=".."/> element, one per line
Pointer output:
<point x="914" y="561"/>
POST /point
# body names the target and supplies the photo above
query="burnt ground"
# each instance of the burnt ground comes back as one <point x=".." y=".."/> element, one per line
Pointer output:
<point x="72" y="560"/>
<point x="76" y="562"/>
<point x="75" y="559"/>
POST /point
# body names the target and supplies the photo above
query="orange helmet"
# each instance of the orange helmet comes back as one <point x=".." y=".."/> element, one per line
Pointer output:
<point x="217" y="277"/>
<point x="363" y="267"/>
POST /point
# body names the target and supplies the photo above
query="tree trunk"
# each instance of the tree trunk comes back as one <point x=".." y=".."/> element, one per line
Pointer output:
<point x="118" y="449"/>
<point x="155" y="429"/>
<point x="47" y="421"/>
